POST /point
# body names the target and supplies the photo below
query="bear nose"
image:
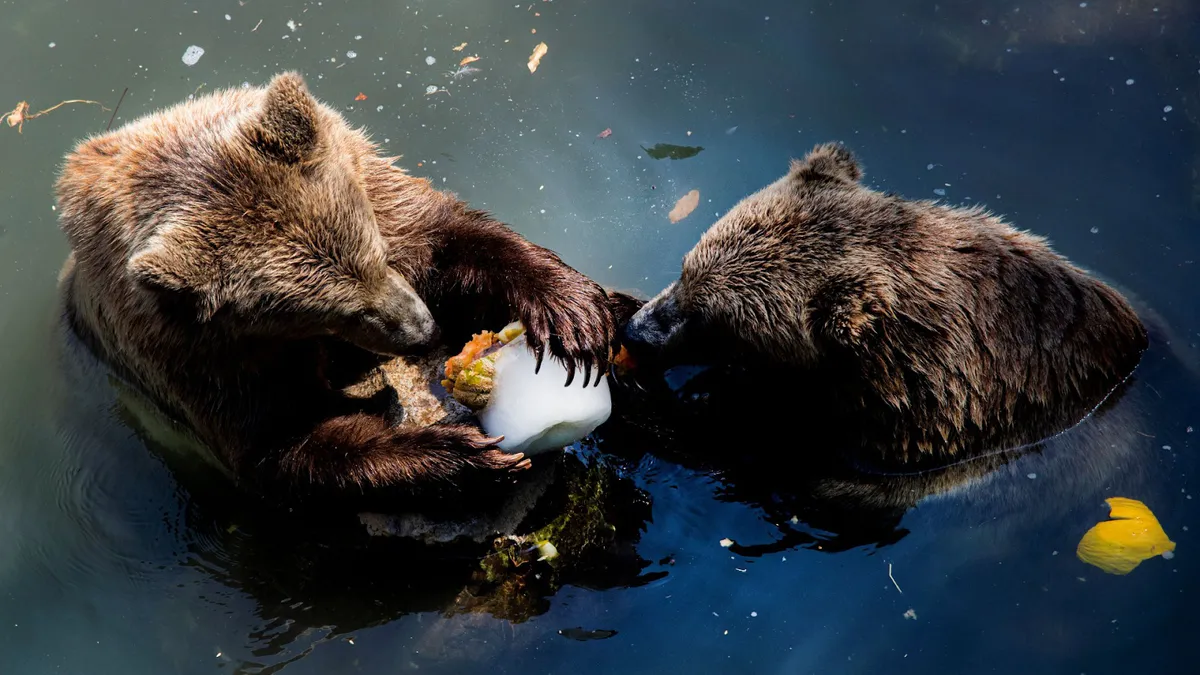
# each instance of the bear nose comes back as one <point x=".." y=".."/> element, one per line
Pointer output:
<point x="653" y="326"/>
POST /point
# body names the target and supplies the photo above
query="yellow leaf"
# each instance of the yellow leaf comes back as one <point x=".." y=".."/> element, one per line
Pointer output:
<point x="536" y="58"/>
<point x="468" y="59"/>
<point x="684" y="206"/>
<point x="1119" y="545"/>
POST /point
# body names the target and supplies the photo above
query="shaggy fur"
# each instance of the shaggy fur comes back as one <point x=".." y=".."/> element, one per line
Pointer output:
<point x="222" y="246"/>
<point x="941" y="329"/>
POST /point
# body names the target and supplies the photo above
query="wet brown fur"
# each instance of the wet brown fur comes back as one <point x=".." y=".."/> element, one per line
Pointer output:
<point x="223" y="248"/>
<point x="942" y="329"/>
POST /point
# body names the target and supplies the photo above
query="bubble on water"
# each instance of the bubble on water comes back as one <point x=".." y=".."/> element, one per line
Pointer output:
<point x="192" y="54"/>
<point x="1129" y="81"/>
<point x="429" y="60"/>
<point x="431" y="89"/>
<point x="351" y="54"/>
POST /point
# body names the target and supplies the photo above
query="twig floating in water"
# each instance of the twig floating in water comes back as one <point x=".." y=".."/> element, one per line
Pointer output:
<point x="893" y="579"/>
<point x="114" y="115"/>
<point x="20" y="114"/>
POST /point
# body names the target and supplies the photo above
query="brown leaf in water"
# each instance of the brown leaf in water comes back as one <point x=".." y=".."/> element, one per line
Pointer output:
<point x="536" y="58"/>
<point x="460" y="47"/>
<point x="468" y="59"/>
<point x="684" y="206"/>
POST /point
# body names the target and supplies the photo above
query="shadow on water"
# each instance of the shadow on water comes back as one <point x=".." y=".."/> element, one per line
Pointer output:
<point x="781" y="450"/>
<point x="316" y="577"/>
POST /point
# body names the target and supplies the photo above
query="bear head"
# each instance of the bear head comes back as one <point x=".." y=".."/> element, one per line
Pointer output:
<point x="770" y="278"/>
<point x="246" y="213"/>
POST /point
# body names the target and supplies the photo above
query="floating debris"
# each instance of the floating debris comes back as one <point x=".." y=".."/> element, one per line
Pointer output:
<point x="20" y="114"/>
<point x="893" y="579"/>
<point x="460" y="47"/>
<point x="192" y="55"/>
<point x="726" y="542"/>
<point x="429" y="60"/>
<point x="585" y="635"/>
<point x="1119" y="545"/>
<point x="535" y="59"/>
<point x="604" y="134"/>
<point x="468" y="59"/>
<point x="361" y="97"/>
<point x="668" y="151"/>
<point x="683" y="208"/>
<point x="910" y="614"/>
<point x="461" y="72"/>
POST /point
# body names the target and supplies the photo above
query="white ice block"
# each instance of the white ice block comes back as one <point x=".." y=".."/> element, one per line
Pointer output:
<point x="536" y="413"/>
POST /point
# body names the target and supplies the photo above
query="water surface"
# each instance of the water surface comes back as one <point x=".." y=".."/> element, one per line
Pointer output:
<point x="1080" y="121"/>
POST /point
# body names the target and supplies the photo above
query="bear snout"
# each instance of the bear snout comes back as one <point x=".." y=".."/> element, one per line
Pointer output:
<point x="655" y="327"/>
<point x="400" y="323"/>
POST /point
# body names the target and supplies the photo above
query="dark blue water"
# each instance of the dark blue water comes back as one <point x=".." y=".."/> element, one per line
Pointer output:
<point x="1078" y="122"/>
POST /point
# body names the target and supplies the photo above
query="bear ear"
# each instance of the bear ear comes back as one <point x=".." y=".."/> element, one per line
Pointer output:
<point x="286" y="128"/>
<point x="847" y="310"/>
<point x="826" y="161"/>
<point x="169" y="267"/>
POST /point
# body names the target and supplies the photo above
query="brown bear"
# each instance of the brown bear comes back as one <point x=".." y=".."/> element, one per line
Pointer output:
<point x="938" y="330"/>
<point x="224" y="248"/>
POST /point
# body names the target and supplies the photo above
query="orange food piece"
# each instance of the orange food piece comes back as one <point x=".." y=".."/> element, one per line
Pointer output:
<point x="471" y="351"/>
<point x="468" y="59"/>
<point x="361" y="97"/>
<point x="623" y="360"/>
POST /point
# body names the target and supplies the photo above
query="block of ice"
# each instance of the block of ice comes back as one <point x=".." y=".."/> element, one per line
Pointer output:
<point x="536" y="413"/>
